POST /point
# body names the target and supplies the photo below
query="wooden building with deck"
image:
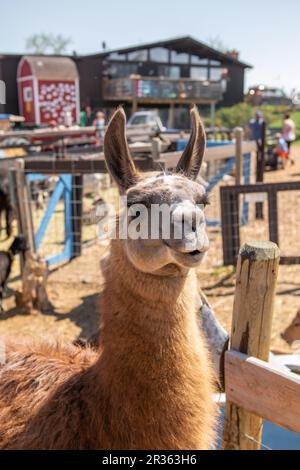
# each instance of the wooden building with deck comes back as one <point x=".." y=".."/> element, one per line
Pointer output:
<point x="167" y="75"/>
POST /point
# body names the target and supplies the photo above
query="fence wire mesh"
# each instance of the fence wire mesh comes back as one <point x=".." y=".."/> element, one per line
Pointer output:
<point x="261" y="212"/>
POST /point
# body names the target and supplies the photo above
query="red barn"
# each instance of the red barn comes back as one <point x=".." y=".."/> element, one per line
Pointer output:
<point x="48" y="87"/>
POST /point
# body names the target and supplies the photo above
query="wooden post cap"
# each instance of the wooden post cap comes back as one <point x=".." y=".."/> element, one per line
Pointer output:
<point x="259" y="251"/>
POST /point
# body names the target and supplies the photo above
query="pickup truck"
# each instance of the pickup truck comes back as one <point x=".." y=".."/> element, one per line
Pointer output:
<point x="144" y="125"/>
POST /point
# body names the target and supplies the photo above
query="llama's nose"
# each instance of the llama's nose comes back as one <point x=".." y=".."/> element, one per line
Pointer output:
<point x="188" y="216"/>
<point x="194" y="222"/>
<point x="188" y="231"/>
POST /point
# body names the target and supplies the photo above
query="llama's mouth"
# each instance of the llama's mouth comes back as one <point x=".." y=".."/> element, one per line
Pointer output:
<point x="190" y="258"/>
<point x="194" y="256"/>
<point x="193" y="253"/>
<point x="184" y="257"/>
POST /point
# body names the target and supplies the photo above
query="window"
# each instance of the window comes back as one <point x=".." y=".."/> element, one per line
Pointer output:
<point x="216" y="74"/>
<point x="159" y="54"/>
<point x="122" y="70"/>
<point x="215" y="62"/>
<point x="198" y="61"/>
<point x="2" y="92"/>
<point x="139" y="56"/>
<point x="27" y="94"/>
<point x="170" y="71"/>
<point x="199" y="73"/>
<point x="179" y="57"/>
<point x="116" y="56"/>
<point x="139" y="120"/>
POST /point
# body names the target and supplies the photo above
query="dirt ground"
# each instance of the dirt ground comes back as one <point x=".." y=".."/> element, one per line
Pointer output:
<point x="74" y="288"/>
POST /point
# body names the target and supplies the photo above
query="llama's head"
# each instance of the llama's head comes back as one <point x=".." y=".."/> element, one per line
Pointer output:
<point x="164" y="219"/>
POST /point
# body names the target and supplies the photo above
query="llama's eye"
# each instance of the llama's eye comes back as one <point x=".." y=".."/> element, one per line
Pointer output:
<point x="133" y="213"/>
<point x="203" y="201"/>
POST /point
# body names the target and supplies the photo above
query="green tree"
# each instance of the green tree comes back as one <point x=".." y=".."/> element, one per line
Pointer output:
<point x="240" y="115"/>
<point x="217" y="43"/>
<point x="47" y="43"/>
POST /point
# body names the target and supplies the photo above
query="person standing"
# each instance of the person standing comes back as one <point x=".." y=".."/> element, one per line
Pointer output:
<point x="99" y="124"/>
<point x="280" y="151"/>
<point x="257" y="128"/>
<point x="289" y="133"/>
<point x="90" y="115"/>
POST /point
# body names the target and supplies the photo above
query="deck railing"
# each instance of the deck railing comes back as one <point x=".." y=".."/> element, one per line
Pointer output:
<point x="161" y="89"/>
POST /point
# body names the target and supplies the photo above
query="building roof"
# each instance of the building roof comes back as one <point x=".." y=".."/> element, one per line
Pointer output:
<point x="181" y="44"/>
<point x="52" y="68"/>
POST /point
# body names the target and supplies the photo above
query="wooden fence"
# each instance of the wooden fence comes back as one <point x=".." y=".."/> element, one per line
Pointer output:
<point x="254" y="388"/>
<point x="231" y="220"/>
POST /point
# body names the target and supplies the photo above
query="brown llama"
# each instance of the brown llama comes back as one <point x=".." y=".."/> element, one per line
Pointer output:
<point x="150" y="385"/>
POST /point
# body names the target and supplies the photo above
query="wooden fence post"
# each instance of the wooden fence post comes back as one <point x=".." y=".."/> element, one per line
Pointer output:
<point x="260" y="168"/>
<point x="256" y="277"/>
<point x="238" y="133"/>
<point x="156" y="148"/>
<point x="21" y="202"/>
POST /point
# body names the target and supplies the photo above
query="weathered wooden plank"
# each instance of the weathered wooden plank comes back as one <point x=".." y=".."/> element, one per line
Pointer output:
<point x="263" y="389"/>
<point x="238" y="154"/>
<point x="81" y="165"/>
<point x="256" y="277"/>
<point x="211" y="154"/>
<point x="264" y="187"/>
<point x="48" y="132"/>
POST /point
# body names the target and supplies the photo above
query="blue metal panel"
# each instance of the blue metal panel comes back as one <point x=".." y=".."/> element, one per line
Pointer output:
<point x="63" y="188"/>
<point x="56" y="195"/>
<point x="247" y="173"/>
<point x="224" y="170"/>
<point x="181" y="144"/>
<point x="213" y="223"/>
<point x="36" y="177"/>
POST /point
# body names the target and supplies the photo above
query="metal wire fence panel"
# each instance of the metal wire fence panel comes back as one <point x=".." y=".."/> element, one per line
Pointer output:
<point x="63" y="210"/>
<point x="288" y="222"/>
<point x="253" y="229"/>
<point x="279" y="222"/>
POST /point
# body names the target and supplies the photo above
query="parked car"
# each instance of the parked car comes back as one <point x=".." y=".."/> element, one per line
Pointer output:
<point x="144" y="123"/>
<point x="262" y="95"/>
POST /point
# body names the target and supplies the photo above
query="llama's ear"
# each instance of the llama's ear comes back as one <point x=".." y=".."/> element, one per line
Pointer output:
<point x="192" y="157"/>
<point x="117" y="154"/>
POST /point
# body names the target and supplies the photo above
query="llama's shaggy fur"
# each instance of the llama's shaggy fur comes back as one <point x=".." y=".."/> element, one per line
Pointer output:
<point x="149" y="386"/>
<point x="55" y="396"/>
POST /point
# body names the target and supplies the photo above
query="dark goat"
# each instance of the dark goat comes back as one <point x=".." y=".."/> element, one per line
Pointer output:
<point x="6" y="258"/>
<point x="5" y="202"/>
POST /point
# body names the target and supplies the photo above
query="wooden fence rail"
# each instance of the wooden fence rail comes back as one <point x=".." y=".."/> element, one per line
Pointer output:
<point x="255" y="389"/>
<point x="263" y="389"/>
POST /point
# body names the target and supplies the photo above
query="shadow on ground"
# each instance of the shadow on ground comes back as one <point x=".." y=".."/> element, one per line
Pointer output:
<point x="86" y="315"/>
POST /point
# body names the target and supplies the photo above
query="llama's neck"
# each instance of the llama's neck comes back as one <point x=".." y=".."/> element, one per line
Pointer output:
<point x="153" y="358"/>
<point x="147" y="304"/>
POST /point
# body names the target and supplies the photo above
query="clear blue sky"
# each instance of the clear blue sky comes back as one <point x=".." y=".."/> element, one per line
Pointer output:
<point x="266" y="32"/>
